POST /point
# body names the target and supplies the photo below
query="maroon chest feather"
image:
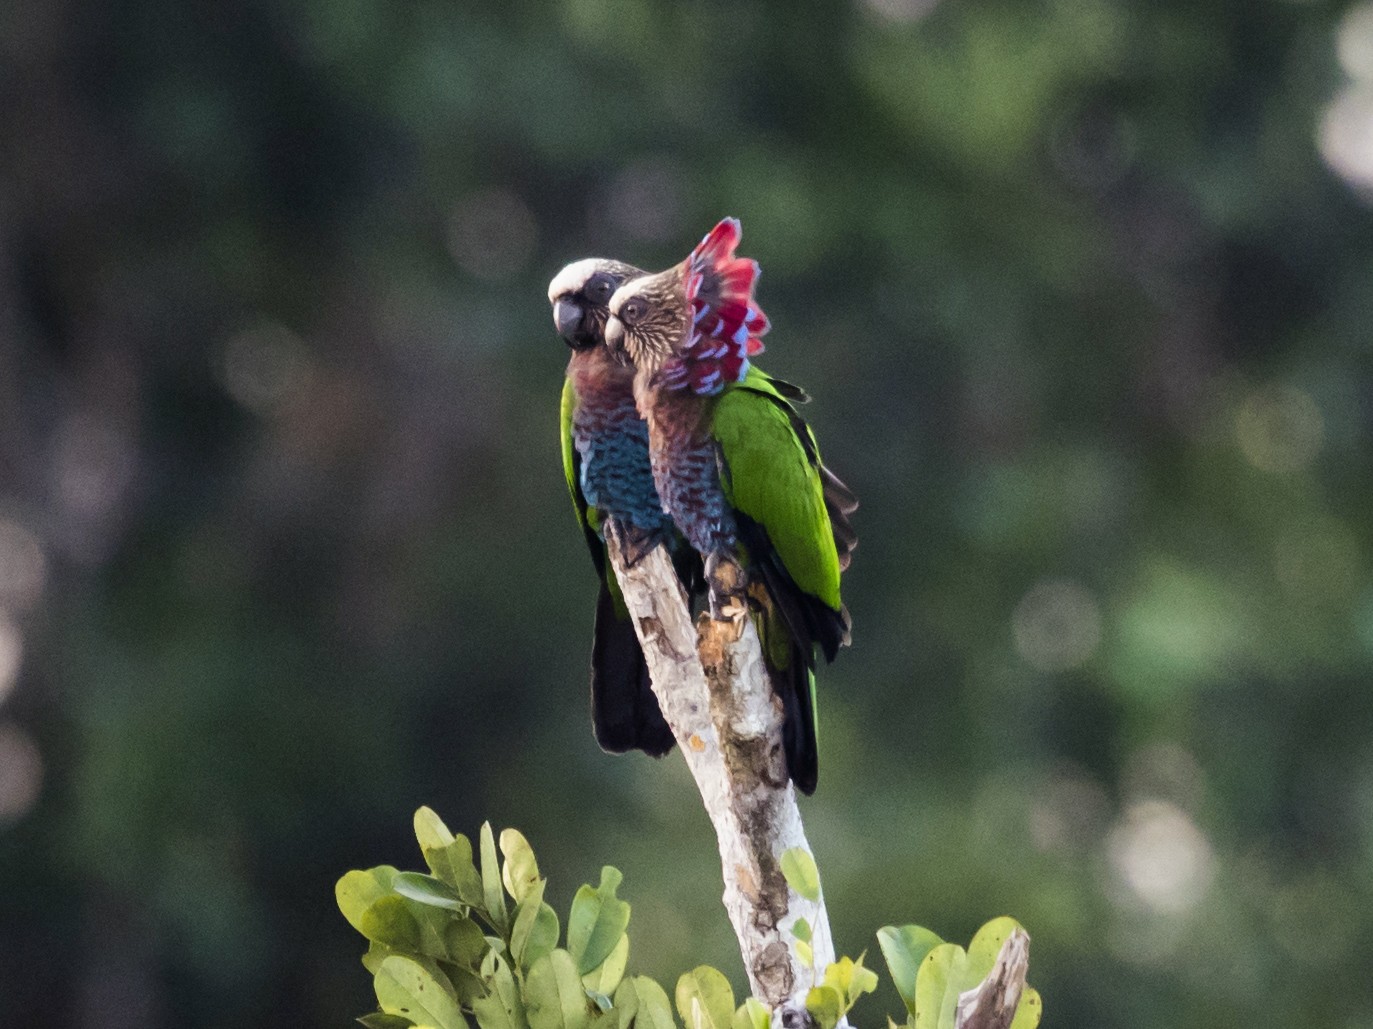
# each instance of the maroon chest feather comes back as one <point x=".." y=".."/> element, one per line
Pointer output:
<point x="685" y="469"/>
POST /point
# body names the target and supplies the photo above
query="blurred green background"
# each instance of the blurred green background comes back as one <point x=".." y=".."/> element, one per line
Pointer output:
<point x="1083" y="290"/>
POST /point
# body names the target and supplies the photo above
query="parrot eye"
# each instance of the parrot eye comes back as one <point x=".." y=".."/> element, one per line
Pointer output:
<point x="633" y="312"/>
<point x="599" y="289"/>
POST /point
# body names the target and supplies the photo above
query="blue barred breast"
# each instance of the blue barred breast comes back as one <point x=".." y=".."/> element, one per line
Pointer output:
<point x="612" y="441"/>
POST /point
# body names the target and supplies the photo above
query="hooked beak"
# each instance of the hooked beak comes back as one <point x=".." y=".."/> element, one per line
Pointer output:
<point x="615" y="334"/>
<point x="567" y="316"/>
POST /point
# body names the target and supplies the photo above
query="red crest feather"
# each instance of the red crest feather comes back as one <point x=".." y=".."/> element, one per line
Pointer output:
<point x="726" y="323"/>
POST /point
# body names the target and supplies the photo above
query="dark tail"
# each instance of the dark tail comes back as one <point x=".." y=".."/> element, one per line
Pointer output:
<point x="798" y="730"/>
<point x="793" y="681"/>
<point x="624" y="711"/>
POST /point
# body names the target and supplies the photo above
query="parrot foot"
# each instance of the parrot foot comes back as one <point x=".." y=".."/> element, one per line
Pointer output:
<point x="635" y="543"/>
<point x="727" y="586"/>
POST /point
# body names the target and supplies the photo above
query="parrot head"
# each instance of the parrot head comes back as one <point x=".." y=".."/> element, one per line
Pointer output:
<point x="695" y="325"/>
<point x="580" y="296"/>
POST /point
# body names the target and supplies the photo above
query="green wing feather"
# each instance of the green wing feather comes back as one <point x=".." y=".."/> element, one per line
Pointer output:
<point x="588" y="518"/>
<point x="774" y="478"/>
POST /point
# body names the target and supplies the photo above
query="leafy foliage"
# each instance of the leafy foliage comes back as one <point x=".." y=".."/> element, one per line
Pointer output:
<point x="929" y="974"/>
<point x="480" y="939"/>
<point x="446" y="946"/>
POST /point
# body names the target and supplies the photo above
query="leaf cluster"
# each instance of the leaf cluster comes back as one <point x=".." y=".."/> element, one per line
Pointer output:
<point x="473" y="939"/>
<point x="929" y="974"/>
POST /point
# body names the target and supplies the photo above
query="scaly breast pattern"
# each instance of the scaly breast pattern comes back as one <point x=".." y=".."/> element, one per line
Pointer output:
<point x="612" y="441"/>
<point x="685" y="471"/>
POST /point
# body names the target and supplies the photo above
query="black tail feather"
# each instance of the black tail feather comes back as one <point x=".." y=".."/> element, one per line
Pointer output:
<point x="624" y="712"/>
<point x="798" y="727"/>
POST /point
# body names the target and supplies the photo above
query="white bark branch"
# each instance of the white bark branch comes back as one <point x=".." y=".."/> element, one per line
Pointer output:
<point x="714" y="692"/>
<point x="992" y="1003"/>
<point x="713" y="688"/>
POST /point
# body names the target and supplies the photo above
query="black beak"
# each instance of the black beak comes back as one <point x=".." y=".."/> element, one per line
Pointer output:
<point x="614" y="333"/>
<point x="567" y="316"/>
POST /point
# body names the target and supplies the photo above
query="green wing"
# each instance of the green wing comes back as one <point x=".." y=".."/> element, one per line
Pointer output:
<point x="587" y="517"/>
<point x="773" y="477"/>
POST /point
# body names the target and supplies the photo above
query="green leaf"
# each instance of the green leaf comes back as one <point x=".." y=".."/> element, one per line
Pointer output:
<point x="405" y="987"/>
<point x="492" y="895"/>
<point x="987" y="943"/>
<point x="705" y="999"/>
<point x="606" y="976"/>
<point x="982" y="954"/>
<point x="535" y="931"/>
<point x="752" y="1014"/>
<point x="390" y="921"/>
<point x="798" y="868"/>
<point x="864" y="981"/>
<point x="851" y="979"/>
<point x="449" y="857"/>
<point x="804" y="952"/>
<point x="430" y="831"/>
<point x="357" y="891"/>
<point x="801" y="930"/>
<point x="942" y="976"/>
<point x="376" y="954"/>
<point x="904" y="949"/>
<point x="625" y="1004"/>
<point x="464" y="942"/>
<point x="1029" y="1009"/>
<point x="468" y="986"/>
<point x="553" y="994"/>
<point x="825" y="1005"/>
<point x="502" y="1007"/>
<point x="643" y="1003"/>
<point x="381" y="1020"/>
<point x="426" y="889"/>
<point x="454" y="865"/>
<point x="521" y="871"/>
<point x="597" y="921"/>
<point x="405" y="925"/>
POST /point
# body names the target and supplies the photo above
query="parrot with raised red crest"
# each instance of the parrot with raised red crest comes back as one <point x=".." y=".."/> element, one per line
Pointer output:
<point x="738" y="469"/>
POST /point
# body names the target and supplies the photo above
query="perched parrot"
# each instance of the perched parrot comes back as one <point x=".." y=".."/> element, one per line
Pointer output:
<point x="605" y="458"/>
<point x="738" y="469"/>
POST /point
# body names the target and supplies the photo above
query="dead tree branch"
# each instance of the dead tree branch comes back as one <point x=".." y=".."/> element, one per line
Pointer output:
<point x="713" y="688"/>
<point x="715" y="694"/>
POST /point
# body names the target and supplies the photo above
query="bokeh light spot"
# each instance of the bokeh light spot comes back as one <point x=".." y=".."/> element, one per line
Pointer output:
<point x="21" y="772"/>
<point x="1180" y="626"/>
<point x="264" y="365"/>
<point x="1279" y="429"/>
<point x="900" y="11"/>
<point x="1057" y="625"/>
<point x="11" y="654"/>
<point x="23" y="566"/>
<point x="93" y="466"/>
<point x="492" y="234"/>
<point x="1354" y="41"/>
<point x="1345" y="137"/>
<point x="1161" y="856"/>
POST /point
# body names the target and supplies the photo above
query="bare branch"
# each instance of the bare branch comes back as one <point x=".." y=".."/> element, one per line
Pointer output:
<point x="714" y="692"/>
<point x="992" y="1004"/>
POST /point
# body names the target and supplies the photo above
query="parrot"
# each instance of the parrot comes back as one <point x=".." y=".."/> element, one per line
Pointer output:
<point x="605" y="460"/>
<point x="739" y="470"/>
